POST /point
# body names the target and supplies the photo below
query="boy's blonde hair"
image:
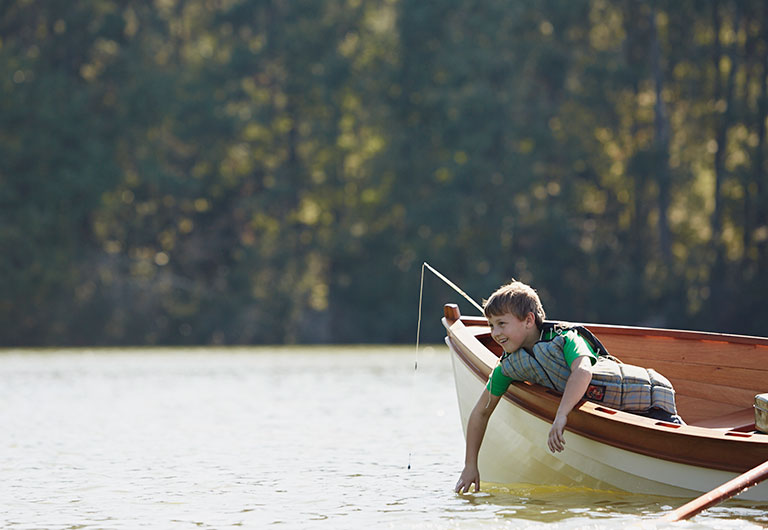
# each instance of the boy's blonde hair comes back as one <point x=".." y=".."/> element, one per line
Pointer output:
<point x="517" y="298"/>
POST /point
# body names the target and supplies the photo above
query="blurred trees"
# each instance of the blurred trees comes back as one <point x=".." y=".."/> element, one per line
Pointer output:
<point x="225" y="171"/>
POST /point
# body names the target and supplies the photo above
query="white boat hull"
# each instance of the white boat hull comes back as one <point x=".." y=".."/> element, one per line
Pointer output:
<point x="514" y="450"/>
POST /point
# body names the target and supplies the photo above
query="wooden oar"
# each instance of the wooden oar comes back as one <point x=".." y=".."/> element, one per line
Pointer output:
<point x="719" y="494"/>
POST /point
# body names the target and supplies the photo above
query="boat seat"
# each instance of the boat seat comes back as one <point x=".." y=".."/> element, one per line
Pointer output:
<point x="740" y="420"/>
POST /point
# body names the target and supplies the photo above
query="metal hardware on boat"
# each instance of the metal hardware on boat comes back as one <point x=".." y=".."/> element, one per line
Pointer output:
<point x="761" y="413"/>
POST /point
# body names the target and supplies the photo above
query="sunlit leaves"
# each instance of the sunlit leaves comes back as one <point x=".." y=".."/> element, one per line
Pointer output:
<point x="277" y="171"/>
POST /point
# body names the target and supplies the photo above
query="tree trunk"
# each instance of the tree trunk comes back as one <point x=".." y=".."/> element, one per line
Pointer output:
<point x="723" y="113"/>
<point x="661" y="145"/>
<point x="761" y="205"/>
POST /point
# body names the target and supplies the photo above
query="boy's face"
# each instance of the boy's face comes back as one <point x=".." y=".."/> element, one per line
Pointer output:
<point x="511" y="333"/>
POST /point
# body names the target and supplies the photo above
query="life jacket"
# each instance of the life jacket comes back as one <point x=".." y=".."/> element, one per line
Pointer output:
<point x="614" y="384"/>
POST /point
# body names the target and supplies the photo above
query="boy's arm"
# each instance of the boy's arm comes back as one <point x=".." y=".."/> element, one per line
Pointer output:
<point x="575" y="387"/>
<point x="478" y="421"/>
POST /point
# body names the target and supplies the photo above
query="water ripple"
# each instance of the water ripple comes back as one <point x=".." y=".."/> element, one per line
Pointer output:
<point x="318" y="438"/>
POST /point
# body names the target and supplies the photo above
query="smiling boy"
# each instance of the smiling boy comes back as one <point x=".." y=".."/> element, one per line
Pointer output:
<point x="558" y="357"/>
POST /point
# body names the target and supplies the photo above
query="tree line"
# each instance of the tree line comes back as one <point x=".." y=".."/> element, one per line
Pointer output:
<point x="277" y="171"/>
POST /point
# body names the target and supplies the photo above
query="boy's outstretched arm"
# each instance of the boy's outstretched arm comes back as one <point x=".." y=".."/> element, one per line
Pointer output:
<point x="575" y="387"/>
<point x="478" y="421"/>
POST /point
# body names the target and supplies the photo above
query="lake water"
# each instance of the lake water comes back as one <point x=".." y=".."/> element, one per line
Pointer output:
<point x="266" y="438"/>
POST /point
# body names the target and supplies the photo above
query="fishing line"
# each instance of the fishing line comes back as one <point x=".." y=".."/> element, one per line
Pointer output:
<point x="418" y="336"/>
<point x="456" y="288"/>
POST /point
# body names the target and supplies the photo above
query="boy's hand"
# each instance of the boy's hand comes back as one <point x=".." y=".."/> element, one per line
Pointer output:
<point x="556" y="440"/>
<point x="468" y="477"/>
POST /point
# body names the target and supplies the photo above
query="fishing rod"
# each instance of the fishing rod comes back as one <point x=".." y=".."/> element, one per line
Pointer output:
<point x="456" y="288"/>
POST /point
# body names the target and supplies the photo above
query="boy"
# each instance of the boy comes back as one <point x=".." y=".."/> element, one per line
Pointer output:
<point x="557" y="357"/>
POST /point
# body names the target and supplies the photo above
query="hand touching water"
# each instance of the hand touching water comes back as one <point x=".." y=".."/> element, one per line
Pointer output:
<point x="469" y="476"/>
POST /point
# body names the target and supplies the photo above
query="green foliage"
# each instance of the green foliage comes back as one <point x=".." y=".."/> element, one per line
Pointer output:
<point x="277" y="171"/>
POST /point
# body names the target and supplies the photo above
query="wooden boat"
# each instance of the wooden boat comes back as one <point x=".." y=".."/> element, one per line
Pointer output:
<point x="716" y="377"/>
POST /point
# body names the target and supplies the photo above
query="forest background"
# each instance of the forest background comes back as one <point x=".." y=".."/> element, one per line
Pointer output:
<point x="277" y="171"/>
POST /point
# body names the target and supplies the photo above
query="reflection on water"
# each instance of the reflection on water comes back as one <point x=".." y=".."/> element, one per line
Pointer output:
<point x="251" y="437"/>
<point x="577" y="507"/>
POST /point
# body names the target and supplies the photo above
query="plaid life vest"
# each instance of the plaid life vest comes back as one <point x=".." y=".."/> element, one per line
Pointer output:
<point x="614" y="384"/>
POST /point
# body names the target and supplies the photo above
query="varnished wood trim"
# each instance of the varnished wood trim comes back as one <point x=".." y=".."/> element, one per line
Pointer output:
<point x="598" y="329"/>
<point x="608" y="329"/>
<point x="451" y="312"/>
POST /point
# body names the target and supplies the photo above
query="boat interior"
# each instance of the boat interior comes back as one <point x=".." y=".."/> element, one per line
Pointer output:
<point x="716" y="376"/>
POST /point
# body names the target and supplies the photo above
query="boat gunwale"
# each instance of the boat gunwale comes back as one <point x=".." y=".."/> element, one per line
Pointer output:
<point x="471" y="321"/>
<point x="595" y="421"/>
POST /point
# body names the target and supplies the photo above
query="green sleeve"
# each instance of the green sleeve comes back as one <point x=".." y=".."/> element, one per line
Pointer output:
<point x="575" y="346"/>
<point x="498" y="382"/>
